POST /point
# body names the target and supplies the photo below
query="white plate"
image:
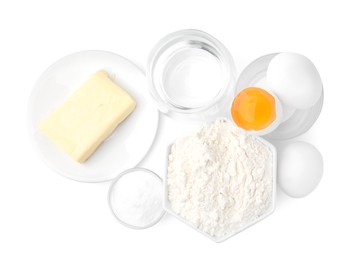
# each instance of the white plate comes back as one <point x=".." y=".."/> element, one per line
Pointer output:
<point x="129" y="143"/>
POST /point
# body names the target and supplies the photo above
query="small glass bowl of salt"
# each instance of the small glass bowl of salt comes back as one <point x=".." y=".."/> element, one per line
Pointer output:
<point x="136" y="198"/>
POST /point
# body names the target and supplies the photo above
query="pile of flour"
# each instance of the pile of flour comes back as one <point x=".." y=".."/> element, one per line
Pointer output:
<point x="220" y="179"/>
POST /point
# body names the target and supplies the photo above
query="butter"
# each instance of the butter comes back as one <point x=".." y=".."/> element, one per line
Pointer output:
<point x="88" y="117"/>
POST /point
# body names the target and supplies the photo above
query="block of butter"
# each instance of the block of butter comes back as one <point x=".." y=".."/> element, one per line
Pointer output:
<point x="88" y="117"/>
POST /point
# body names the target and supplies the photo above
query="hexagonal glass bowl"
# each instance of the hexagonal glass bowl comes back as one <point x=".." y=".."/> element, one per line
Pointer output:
<point x="268" y="212"/>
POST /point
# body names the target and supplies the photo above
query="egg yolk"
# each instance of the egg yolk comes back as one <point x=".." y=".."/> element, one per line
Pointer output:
<point x="253" y="109"/>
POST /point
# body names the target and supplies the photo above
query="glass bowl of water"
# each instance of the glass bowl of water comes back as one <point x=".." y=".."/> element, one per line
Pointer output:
<point x="191" y="74"/>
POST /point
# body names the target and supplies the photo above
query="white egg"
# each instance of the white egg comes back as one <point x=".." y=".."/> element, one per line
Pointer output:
<point x="300" y="169"/>
<point x="295" y="80"/>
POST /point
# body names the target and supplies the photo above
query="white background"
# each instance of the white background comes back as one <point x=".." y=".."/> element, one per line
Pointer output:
<point x="46" y="216"/>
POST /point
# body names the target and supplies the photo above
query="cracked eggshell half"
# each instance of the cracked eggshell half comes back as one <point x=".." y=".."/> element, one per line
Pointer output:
<point x="295" y="80"/>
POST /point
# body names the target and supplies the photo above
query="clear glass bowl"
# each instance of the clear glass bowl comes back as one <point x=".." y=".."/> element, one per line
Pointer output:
<point x="191" y="74"/>
<point x="300" y="121"/>
<point x="118" y="186"/>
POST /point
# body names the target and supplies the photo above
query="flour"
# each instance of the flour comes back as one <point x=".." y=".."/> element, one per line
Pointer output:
<point x="136" y="198"/>
<point x="219" y="179"/>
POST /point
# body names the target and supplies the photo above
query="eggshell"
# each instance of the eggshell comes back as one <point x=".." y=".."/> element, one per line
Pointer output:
<point x="300" y="169"/>
<point x="295" y="80"/>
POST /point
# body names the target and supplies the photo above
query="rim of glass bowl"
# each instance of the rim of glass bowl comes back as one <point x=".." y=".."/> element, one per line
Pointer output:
<point x="213" y="46"/>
